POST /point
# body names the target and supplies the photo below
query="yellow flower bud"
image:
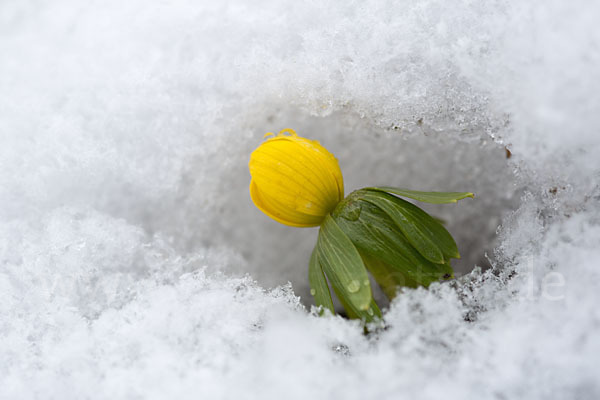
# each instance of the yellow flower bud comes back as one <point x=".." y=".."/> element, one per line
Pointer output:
<point x="295" y="181"/>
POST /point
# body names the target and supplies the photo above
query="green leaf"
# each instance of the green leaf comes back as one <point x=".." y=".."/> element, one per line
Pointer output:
<point x="386" y="252"/>
<point x="318" y="284"/>
<point x="423" y="232"/>
<point x="367" y="315"/>
<point x="389" y="278"/>
<point x="426" y="197"/>
<point x="344" y="267"/>
<point x="376" y="311"/>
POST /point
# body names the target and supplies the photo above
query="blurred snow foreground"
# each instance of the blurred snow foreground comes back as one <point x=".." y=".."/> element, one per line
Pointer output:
<point x="133" y="264"/>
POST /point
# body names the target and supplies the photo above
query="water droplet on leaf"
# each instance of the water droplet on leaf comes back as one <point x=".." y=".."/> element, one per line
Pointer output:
<point x="353" y="286"/>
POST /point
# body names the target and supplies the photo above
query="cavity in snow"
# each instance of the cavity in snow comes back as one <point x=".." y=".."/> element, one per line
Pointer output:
<point x="134" y="265"/>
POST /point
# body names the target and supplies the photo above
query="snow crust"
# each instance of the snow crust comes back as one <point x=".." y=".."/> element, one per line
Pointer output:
<point x="133" y="264"/>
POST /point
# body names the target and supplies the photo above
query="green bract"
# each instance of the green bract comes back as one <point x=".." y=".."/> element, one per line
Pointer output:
<point x="398" y="243"/>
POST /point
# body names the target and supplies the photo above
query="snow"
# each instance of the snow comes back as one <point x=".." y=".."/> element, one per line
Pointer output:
<point x="134" y="265"/>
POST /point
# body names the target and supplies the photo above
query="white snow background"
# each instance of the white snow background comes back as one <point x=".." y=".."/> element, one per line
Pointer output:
<point x="133" y="264"/>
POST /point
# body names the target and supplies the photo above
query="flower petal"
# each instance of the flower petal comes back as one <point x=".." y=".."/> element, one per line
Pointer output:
<point x="281" y="213"/>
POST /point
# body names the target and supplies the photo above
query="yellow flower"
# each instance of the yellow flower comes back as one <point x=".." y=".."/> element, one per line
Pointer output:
<point x="295" y="181"/>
